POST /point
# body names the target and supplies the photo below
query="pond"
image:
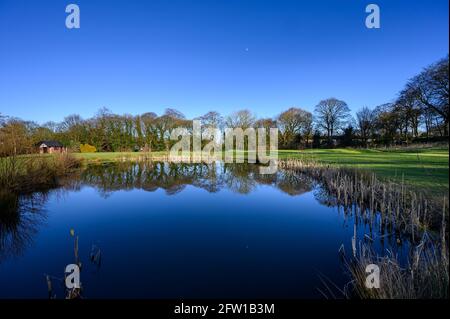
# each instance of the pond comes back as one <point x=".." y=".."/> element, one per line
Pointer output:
<point x="182" y="231"/>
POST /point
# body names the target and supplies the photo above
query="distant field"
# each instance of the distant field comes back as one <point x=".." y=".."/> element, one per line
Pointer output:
<point x="426" y="168"/>
<point x="112" y="156"/>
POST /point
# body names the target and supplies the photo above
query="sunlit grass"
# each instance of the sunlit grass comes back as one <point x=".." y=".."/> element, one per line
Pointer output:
<point x="423" y="168"/>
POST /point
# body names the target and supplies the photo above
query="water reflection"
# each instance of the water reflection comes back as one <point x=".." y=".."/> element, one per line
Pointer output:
<point x="173" y="178"/>
<point x="22" y="216"/>
<point x="20" y="219"/>
<point x="238" y="178"/>
<point x="282" y="221"/>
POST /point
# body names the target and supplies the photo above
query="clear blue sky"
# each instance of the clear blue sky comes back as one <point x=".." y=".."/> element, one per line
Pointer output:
<point x="137" y="56"/>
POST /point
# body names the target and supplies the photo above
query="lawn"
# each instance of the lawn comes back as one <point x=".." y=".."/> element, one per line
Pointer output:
<point x="426" y="168"/>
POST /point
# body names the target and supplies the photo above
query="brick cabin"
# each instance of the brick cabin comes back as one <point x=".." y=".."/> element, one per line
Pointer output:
<point x="50" y="147"/>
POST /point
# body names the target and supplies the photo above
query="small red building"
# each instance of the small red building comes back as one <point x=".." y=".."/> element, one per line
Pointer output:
<point x="50" y="147"/>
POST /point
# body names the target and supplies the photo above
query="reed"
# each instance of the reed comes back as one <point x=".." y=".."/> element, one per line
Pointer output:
<point x="26" y="174"/>
<point x="400" y="207"/>
<point x="402" y="210"/>
<point x="424" y="277"/>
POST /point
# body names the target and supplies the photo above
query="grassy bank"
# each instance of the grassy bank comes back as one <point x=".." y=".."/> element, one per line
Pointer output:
<point x="113" y="156"/>
<point x="26" y="174"/>
<point x="394" y="211"/>
<point x="425" y="168"/>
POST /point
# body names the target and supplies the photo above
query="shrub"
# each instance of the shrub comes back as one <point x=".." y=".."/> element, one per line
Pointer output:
<point x="86" y="148"/>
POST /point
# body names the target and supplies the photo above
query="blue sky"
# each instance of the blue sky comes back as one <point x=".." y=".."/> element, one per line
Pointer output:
<point x="138" y="56"/>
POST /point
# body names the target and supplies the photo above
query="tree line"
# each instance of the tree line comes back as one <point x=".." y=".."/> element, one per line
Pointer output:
<point x="419" y="113"/>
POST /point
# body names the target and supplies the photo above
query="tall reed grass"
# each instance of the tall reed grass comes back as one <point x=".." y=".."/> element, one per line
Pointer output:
<point x="424" y="221"/>
<point x="400" y="207"/>
<point x="26" y="174"/>
<point x="426" y="275"/>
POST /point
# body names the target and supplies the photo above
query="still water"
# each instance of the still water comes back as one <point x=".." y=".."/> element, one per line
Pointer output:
<point x="181" y="231"/>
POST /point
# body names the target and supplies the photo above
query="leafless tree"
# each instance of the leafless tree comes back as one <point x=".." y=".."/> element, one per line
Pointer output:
<point x="409" y="110"/>
<point x="365" y="119"/>
<point x="171" y="119"/>
<point x="294" y="122"/>
<point x="332" y="114"/>
<point x="431" y="88"/>
<point x="242" y="119"/>
<point x="212" y="119"/>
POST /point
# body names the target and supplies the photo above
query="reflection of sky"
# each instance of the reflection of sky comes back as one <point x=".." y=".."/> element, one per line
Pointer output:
<point x="191" y="244"/>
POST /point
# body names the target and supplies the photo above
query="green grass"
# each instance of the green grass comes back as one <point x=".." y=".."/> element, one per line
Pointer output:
<point x="423" y="168"/>
<point x="113" y="156"/>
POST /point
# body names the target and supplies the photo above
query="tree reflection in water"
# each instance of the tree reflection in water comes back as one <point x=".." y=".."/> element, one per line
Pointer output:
<point x="20" y="219"/>
<point x="174" y="177"/>
<point x="21" y="216"/>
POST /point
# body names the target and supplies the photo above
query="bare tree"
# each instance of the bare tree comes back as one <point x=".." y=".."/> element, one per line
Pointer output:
<point x="15" y="137"/>
<point x="293" y="123"/>
<point x="266" y="123"/>
<point x="212" y="119"/>
<point x="166" y="123"/>
<point x="174" y="114"/>
<point x="242" y="119"/>
<point x="410" y="110"/>
<point x="71" y="121"/>
<point x="365" y="119"/>
<point x="431" y="88"/>
<point x="73" y="128"/>
<point x="386" y="122"/>
<point x="331" y="114"/>
<point x="51" y="125"/>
